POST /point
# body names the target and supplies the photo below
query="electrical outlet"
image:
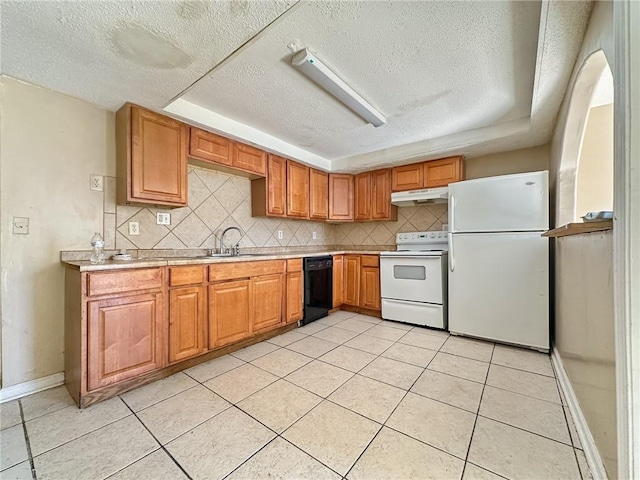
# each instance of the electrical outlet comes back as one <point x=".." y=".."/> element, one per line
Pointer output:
<point x="163" y="218"/>
<point x="280" y="236"/>
<point x="314" y="236"/>
<point x="96" y="182"/>
<point x="20" y="226"/>
<point x="134" y="228"/>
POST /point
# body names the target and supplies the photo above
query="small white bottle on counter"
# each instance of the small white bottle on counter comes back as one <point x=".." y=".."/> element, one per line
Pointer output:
<point x="97" y="256"/>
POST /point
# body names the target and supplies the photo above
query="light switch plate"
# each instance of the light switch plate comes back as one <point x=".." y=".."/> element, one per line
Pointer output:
<point x="163" y="218"/>
<point x="314" y="236"/>
<point x="134" y="228"/>
<point x="20" y="225"/>
<point x="279" y="234"/>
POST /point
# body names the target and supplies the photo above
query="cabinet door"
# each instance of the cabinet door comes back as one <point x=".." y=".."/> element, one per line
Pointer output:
<point x="267" y="301"/>
<point x="440" y="173"/>
<point x="297" y="190"/>
<point x="276" y="186"/>
<point x="295" y="292"/>
<point x="338" y="280"/>
<point x="249" y="159"/>
<point x="340" y="197"/>
<point x="362" y="209"/>
<point x="230" y="312"/>
<point x="381" y="208"/>
<point x="124" y="338"/>
<point x="187" y="322"/>
<point x="209" y="147"/>
<point x="370" y="288"/>
<point x="158" y="165"/>
<point x="407" y="177"/>
<point x="318" y="194"/>
<point x="351" y="280"/>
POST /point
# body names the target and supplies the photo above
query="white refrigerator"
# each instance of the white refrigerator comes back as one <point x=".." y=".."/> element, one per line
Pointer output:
<point x="498" y="260"/>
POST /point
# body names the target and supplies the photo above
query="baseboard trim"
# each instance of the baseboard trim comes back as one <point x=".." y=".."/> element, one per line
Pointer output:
<point x="32" y="386"/>
<point x="588" y="444"/>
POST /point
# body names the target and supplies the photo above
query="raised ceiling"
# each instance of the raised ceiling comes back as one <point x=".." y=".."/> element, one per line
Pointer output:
<point x="451" y="77"/>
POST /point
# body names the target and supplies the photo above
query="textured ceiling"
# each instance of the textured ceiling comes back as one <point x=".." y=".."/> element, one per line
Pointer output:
<point x="111" y="52"/>
<point x="452" y="77"/>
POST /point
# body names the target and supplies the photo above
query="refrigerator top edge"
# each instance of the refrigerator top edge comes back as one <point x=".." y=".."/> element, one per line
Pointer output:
<point x="545" y="173"/>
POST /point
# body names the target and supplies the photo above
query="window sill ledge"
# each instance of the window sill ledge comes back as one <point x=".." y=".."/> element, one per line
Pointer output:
<point x="579" y="228"/>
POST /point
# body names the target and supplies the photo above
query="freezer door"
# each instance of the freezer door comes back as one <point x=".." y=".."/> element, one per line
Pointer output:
<point x="499" y="287"/>
<point x="509" y="203"/>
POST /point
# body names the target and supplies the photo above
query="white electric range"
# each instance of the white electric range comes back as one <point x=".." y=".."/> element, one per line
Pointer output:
<point x="413" y="279"/>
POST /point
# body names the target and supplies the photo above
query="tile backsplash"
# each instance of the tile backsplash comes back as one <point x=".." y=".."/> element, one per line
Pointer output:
<point x="219" y="200"/>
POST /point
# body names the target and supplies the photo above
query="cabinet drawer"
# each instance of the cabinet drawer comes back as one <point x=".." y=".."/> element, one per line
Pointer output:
<point x="294" y="265"/>
<point x="104" y="283"/>
<point x="229" y="271"/>
<point x="179" y="276"/>
<point x="370" y="260"/>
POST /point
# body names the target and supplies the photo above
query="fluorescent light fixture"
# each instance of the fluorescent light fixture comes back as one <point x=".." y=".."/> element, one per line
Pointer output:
<point x="323" y="76"/>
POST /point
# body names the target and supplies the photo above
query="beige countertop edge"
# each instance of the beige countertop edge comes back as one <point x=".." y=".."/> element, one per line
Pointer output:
<point x="86" y="266"/>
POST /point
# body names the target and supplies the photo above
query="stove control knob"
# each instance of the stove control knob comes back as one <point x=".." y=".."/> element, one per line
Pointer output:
<point x="433" y="235"/>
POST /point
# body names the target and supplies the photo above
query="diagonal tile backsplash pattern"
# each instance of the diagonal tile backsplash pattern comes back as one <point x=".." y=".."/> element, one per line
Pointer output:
<point x="218" y="200"/>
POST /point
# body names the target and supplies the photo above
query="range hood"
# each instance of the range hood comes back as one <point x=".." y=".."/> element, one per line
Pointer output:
<point x="416" y="197"/>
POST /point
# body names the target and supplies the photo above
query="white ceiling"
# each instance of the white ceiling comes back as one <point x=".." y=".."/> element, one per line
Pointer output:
<point x="452" y="77"/>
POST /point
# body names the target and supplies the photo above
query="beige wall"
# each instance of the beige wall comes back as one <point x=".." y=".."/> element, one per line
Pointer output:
<point x="584" y="332"/>
<point x="51" y="143"/>
<point x="594" y="188"/>
<point x="583" y="274"/>
<point x="505" y="163"/>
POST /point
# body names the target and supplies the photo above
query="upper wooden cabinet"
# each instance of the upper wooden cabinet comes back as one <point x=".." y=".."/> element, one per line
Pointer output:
<point x="340" y="197"/>
<point x="297" y="190"/>
<point x="151" y="152"/>
<point x="362" y="196"/>
<point x="210" y="147"/>
<point x="381" y="208"/>
<point x="407" y="177"/>
<point x="431" y="174"/>
<point x="373" y="196"/>
<point x="440" y="173"/>
<point x="318" y="194"/>
<point x="250" y="159"/>
<point x="269" y="195"/>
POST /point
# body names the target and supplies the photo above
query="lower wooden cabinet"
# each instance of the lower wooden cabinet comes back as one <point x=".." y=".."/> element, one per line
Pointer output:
<point x="295" y="299"/>
<point x="187" y="322"/>
<point x="267" y="293"/>
<point x="356" y="281"/>
<point x="351" y="280"/>
<point x="370" y="282"/>
<point x="124" y="338"/>
<point x="230" y="312"/>
<point x="338" y="280"/>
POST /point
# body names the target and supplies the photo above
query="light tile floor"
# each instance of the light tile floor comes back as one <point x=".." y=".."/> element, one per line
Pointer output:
<point x="348" y="396"/>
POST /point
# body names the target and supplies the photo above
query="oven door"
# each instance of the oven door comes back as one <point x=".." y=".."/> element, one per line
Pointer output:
<point x="414" y="278"/>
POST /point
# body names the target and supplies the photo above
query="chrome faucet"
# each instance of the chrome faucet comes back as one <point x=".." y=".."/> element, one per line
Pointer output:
<point x="235" y="249"/>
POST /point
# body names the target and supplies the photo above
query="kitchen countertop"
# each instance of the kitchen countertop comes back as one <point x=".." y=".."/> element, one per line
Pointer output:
<point x="87" y="266"/>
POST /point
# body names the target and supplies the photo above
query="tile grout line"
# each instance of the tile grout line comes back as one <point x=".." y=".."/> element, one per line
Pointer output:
<point x="475" y="421"/>
<point x="162" y="447"/>
<point x="34" y="476"/>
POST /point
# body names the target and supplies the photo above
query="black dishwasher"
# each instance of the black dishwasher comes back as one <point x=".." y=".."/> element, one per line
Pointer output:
<point x="318" y="288"/>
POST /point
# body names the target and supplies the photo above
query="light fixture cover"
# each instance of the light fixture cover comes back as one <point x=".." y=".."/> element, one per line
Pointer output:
<point x="332" y="83"/>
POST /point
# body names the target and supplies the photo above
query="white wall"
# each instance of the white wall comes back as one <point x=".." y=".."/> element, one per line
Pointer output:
<point x="51" y="143"/>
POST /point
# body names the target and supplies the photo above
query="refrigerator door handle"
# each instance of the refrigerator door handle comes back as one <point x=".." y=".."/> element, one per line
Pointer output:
<point x="452" y="211"/>
<point x="452" y="261"/>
